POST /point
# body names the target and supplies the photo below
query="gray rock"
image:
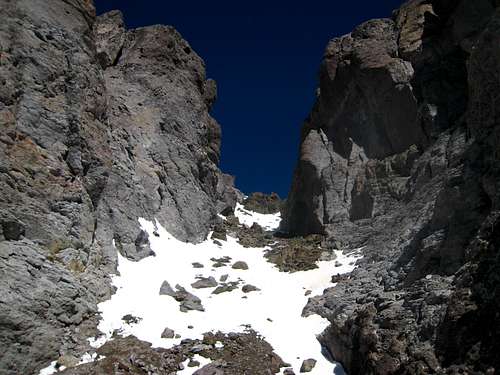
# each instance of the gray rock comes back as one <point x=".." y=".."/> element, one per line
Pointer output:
<point x="166" y="289"/>
<point x="67" y="361"/>
<point x="200" y="348"/>
<point x="98" y="119"/>
<point x="219" y="233"/>
<point x="247" y="288"/>
<point x="197" y="265"/>
<point x="131" y="319"/>
<point x="240" y="265"/>
<point x="228" y="193"/>
<point x="308" y="365"/>
<point x="221" y="262"/>
<point x="32" y="287"/>
<point x="168" y="333"/>
<point x="226" y="287"/>
<point x="204" y="282"/>
<point x="393" y="159"/>
<point x="188" y="301"/>
<point x="193" y="363"/>
<point x="110" y="37"/>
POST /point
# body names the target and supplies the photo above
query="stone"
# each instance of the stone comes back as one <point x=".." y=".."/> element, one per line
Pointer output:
<point x="226" y="287"/>
<point x="193" y="363"/>
<point x="200" y="348"/>
<point x="247" y="288"/>
<point x="224" y="259"/>
<point x="67" y="361"/>
<point x="219" y="233"/>
<point x="308" y="365"/>
<point x="166" y="289"/>
<point x="168" y="333"/>
<point x="188" y="301"/>
<point x="197" y="265"/>
<point x="110" y="31"/>
<point x="205" y="282"/>
<point x="240" y="265"/>
<point x="131" y="319"/>
<point x="31" y="278"/>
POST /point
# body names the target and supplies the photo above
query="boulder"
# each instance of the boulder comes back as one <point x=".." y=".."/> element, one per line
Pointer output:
<point x="205" y="282"/>
<point x="166" y="289"/>
<point x="168" y="333"/>
<point x="308" y="365"/>
<point x="240" y="265"/>
<point x="247" y="288"/>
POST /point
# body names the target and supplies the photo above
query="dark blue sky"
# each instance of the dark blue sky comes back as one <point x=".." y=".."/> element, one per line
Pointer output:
<point x="264" y="56"/>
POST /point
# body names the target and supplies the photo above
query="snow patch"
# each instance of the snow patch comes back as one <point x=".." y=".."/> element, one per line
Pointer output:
<point x="189" y="370"/>
<point x="266" y="221"/>
<point x="53" y="368"/>
<point x="274" y="311"/>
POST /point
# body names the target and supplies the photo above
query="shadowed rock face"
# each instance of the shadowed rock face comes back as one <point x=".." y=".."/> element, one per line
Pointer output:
<point x="263" y="203"/>
<point x="400" y="155"/>
<point x="100" y="126"/>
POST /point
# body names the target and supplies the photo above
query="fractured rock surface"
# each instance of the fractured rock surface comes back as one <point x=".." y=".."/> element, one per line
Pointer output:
<point x="94" y="118"/>
<point x="400" y="156"/>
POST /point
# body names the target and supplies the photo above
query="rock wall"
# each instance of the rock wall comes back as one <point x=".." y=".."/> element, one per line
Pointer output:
<point x="400" y="155"/>
<point x="100" y="126"/>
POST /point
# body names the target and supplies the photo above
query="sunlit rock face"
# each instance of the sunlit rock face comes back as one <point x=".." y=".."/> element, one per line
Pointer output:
<point x="400" y="155"/>
<point x="100" y="126"/>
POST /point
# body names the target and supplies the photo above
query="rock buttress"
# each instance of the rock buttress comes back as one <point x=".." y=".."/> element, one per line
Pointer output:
<point x="100" y="126"/>
<point x="400" y="155"/>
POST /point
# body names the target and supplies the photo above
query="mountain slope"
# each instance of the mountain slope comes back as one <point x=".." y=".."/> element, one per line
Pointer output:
<point x="400" y="155"/>
<point x="101" y="126"/>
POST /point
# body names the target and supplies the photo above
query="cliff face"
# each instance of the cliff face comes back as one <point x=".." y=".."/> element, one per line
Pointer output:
<point x="100" y="126"/>
<point x="400" y="155"/>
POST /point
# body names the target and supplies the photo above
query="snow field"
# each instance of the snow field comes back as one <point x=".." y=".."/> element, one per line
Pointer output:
<point x="274" y="311"/>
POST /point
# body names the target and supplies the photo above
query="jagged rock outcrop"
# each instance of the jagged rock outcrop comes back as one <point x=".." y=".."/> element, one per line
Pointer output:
<point x="263" y="203"/>
<point x="400" y="155"/>
<point x="100" y="126"/>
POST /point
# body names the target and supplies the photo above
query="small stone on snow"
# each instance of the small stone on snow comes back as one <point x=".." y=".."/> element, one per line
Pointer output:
<point x="308" y="365"/>
<point x="240" y="265"/>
